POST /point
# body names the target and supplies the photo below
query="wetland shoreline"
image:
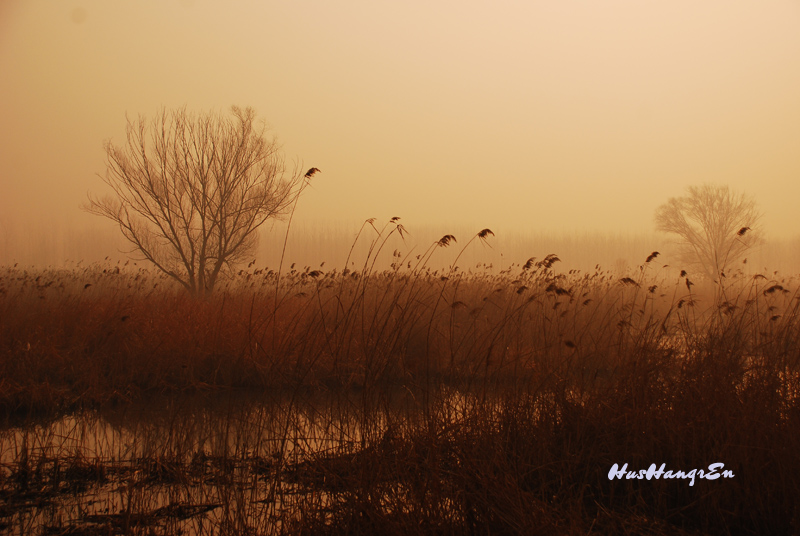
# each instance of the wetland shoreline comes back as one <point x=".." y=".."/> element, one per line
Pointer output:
<point x="399" y="402"/>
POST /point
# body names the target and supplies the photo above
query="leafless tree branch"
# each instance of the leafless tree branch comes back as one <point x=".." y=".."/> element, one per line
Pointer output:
<point x="191" y="191"/>
<point x="714" y="225"/>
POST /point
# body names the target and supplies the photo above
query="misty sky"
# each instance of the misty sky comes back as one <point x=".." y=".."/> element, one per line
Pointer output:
<point x="554" y="114"/>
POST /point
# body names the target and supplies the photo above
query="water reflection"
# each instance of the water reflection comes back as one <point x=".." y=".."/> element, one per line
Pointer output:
<point x="200" y="465"/>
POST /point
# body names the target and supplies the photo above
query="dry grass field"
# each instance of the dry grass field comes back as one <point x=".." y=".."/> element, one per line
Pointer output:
<point x="401" y="400"/>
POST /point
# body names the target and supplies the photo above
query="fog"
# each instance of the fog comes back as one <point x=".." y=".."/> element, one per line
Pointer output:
<point x="552" y="123"/>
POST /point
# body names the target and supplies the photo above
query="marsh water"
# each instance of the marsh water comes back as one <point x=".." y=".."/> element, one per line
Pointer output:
<point x="190" y="464"/>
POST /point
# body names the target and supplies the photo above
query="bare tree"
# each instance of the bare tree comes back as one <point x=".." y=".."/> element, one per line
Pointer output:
<point x="715" y="226"/>
<point x="190" y="191"/>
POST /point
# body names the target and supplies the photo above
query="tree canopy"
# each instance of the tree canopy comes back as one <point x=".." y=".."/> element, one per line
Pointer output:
<point x="715" y="226"/>
<point x="190" y="191"/>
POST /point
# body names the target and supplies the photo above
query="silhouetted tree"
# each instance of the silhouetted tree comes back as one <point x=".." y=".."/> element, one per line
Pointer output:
<point x="190" y="191"/>
<point x="715" y="225"/>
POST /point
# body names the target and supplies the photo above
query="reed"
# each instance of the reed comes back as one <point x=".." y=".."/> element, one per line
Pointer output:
<point x="403" y="400"/>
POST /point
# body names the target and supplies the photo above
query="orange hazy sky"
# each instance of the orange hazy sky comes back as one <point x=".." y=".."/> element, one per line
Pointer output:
<point x="558" y="114"/>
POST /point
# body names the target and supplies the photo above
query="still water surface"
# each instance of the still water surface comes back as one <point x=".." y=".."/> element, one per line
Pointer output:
<point x="193" y="465"/>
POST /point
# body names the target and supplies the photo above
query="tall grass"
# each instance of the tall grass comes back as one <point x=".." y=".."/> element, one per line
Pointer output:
<point x="313" y="242"/>
<point x="520" y="387"/>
